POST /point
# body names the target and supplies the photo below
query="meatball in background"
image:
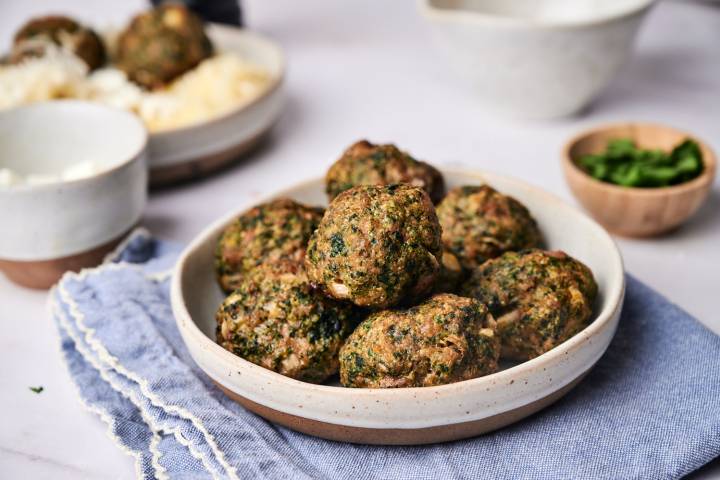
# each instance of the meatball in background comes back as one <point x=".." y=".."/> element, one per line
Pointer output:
<point x="33" y="39"/>
<point x="161" y="44"/>
<point x="539" y="299"/>
<point x="364" y="163"/>
<point x="480" y="223"/>
<point x="376" y="246"/>
<point x="443" y="340"/>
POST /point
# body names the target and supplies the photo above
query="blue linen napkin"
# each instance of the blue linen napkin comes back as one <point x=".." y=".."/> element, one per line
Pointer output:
<point x="649" y="409"/>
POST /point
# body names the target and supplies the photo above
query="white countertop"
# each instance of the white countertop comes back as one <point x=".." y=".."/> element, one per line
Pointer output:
<point x="369" y="70"/>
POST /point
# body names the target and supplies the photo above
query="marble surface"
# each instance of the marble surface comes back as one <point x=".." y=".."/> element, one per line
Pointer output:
<point x="368" y="69"/>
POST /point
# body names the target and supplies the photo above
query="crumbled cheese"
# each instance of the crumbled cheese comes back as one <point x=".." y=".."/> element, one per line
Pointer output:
<point x="9" y="178"/>
<point x="52" y="76"/>
<point x="216" y="86"/>
<point x="111" y="87"/>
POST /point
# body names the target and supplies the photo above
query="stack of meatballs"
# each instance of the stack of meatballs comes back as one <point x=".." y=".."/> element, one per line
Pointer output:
<point x="156" y="47"/>
<point x="397" y="283"/>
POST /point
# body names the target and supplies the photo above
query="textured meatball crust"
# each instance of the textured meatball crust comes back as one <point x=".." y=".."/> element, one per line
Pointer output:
<point x="539" y="299"/>
<point x="274" y="231"/>
<point x="33" y="37"/>
<point x="364" y="163"/>
<point x="275" y="319"/>
<point x="480" y="223"/>
<point x="443" y="340"/>
<point x="376" y="246"/>
<point x="161" y="44"/>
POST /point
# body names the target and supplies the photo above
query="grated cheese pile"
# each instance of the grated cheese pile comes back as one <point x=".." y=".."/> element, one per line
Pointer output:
<point x="10" y="178"/>
<point x="219" y="84"/>
<point x="38" y="79"/>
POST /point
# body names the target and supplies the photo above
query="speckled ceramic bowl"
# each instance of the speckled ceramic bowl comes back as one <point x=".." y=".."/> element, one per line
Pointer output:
<point x="411" y="415"/>
<point x="49" y="228"/>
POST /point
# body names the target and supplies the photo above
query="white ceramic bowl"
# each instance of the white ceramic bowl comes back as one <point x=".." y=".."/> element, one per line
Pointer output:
<point x="182" y="153"/>
<point x="536" y="58"/>
<point x="45" y="228"/>
<point x="411" y="415"/>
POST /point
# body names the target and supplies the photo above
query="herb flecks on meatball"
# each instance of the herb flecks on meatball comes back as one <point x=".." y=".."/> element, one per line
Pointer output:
<point x="539" y="299"/>
<point x="443" y="340"/>
<point x="367" y="164"/>
<point x="33" y="39"/>
<point x="276" y="319"/>
<point x="480" y="223"/>
<point x="274" y="231"/>
<point x="376" y="246"/>
<point x="161" y="44"/>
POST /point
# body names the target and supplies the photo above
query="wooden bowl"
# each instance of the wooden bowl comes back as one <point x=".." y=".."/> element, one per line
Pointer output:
<point x="405" y="416"/>
<point x="636" y="212"/>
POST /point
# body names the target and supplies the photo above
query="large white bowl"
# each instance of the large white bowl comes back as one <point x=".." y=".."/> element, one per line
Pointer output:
<point x="411" y="415"/>
<point x="48" y="228"/>
<point x="536" y="58"/>
<point x="182" y="153"/>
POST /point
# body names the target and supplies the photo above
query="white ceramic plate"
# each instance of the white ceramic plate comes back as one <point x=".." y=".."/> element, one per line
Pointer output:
<point x="411" y="415"/>
<point x="184" y="152"/>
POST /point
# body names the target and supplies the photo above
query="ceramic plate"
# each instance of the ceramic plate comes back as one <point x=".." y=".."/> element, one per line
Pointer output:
<point x="186" y="152"/>
<point x="411" y="415"/>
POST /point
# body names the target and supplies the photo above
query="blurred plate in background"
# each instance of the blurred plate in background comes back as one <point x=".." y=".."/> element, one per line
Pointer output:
<point x="188" y="152"/>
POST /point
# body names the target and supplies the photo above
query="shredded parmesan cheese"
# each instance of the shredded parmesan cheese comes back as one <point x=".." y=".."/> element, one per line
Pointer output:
<point x="219" y="84"/>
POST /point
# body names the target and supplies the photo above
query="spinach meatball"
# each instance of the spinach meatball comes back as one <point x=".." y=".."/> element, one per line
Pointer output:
<point x="275" y="319"/>
<point x="376" y="246"/>
<point x="539" y="299"/>
<point x="274" y="231"/>
<point x="479" y="223"/>
<point x="443" y="340"/>
<point x="367" y="164"/>
<point x="161" y="44"/>
<point x="33" y="39"/>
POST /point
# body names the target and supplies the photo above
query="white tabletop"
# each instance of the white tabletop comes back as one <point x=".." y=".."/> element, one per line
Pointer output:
<point x="368" y="69"/>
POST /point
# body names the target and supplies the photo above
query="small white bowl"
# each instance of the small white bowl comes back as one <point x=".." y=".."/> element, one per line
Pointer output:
<point x="536" y="58"/>
<point x="409" y="415"/>
<point x="46" y="229"/>
<point x="183" y="153"/>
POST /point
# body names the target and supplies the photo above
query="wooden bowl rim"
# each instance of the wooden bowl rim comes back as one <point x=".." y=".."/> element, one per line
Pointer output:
<point x="699" y="182"/>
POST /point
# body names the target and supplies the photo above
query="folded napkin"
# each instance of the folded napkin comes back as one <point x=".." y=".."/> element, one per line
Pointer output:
<point x="649" y="409"/>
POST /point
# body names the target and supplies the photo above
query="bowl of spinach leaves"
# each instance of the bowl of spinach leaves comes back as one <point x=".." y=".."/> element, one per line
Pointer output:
<point x="639" y="179"/>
